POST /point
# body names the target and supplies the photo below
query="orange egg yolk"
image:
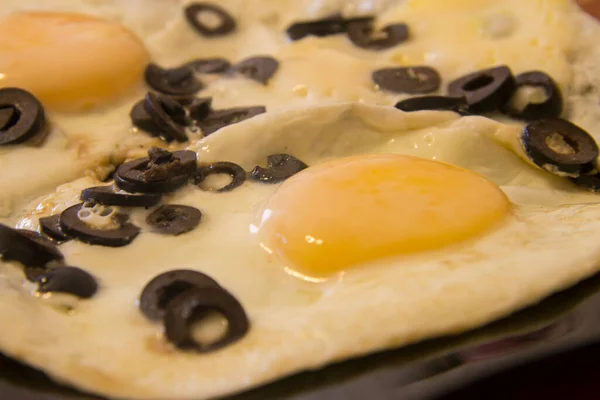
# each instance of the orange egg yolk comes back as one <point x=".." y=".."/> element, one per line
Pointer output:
<point x="69" y="61"/>
<point x="364" y="208"/>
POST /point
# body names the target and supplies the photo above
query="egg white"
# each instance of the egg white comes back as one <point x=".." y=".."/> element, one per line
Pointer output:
<point x="545" y="244"/>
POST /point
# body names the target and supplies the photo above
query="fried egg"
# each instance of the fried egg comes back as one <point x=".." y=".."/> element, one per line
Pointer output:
<point x="404" y="226"/>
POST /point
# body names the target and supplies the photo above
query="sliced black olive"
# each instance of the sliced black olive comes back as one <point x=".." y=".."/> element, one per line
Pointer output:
<point x="27" y="119"/>
<point x="106" y="195"/>
<point x="209" y="65"/>
<point x="50" y="226"/>
<point x="27" y="247"/>
<point x="78" y="229"/>
<point x="281" y="167"/>
<point x="260" y="68"/>
<point x="441" y="103"/>
<point x="361" y="34"/>
<point x="192" y="305"/>
<point x="141" y="119"/>
<point x="195" y="10"/>
<point x="65" y="279"/>
<point x="162" y="172"/>
<point x="485" y="90"/>
<point x="174" y="219"/>
<point x="175" y="81"/>
<point x="166" y="115"/>
<point x="588" y="182"/>
<point x="560" y="146"/>
<point x="237" y="174"/>
<point x="200" y="108"/>
<point x="168" y="285"/>
<point x="407" y="79"/>
<point x="331" y="25"/>
<point x="551" y="107"/>
<point x="33" y="273"/>
<point x="218" y="119"/>
<point x="8" y="117"/>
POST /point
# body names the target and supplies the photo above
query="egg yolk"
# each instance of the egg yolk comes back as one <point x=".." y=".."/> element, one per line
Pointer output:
<point x="69" y="61"/>
<point x="357" y="209"/>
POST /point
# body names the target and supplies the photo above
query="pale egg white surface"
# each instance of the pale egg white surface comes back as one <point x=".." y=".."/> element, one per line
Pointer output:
<point x="542" y="244"/>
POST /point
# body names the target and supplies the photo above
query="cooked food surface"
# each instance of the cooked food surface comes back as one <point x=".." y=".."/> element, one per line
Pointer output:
<point x="252" y="188"/>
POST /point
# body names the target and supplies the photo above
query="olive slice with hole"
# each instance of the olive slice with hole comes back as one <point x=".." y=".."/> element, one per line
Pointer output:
<point x="175" y="81"/>
<point x="209" y="65"/>
<point x="25" y="119"/>
<point x="560" y="147"/>
<point x="192" y="305"/>
<point x="328" y="26"/>
<point x="27" y="247"/>
<point x="439" y="103"/>
<point x="73" y="226"/>
<point x="106" y="195"/>
<point x="193" y="14"/>
<point x="412" y="80"/>
<point x="218" y="119"/>
<point x="50" y="226"/>
<point x="161" y="172"/>
<point x="237" y="174"/>
<point x="360" y="32"/>
<point x="485" y="90"/>
<point x="166" y="115"/>
<point x="165" y="287"/>
<point x="70" y="280"/>
<point x="174" y="219"/>
<point x="260" y="69"/>
<point x="281" y="167"/>
<point x="550" y="107"/>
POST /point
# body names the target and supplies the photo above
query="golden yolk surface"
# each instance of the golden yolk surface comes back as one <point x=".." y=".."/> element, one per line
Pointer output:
<point x="357" y="209"/>
<point x="69" y="61"/>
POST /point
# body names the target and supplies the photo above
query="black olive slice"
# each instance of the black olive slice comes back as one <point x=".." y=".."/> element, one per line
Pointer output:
<point x="200" y="108"/>
<point x="411" y="80"/>
<point x="281" y="167"/>
<point x="142" y="120"/>
<point x="441" y="103"/>
<point x="167" y="286"/>
<point x="50" y="226"/>
<point x="485" y="90"/>
<point x="260" y="68"/>
<point x="331" y="25"/>
<point x="161" y="172"/>
<point x="195" y="10"/>
<point x="192" y="305"/>
<point x="237" y="174"/>
<point x="65" y="279"/>
<point x="209" y="65"/>
<point x="27" y="119"/>
<point x="560" y="146"/>
<point x="8" y="117"/>
<point x="106" y="195"/>
<point x="218" y="119"/>
<point x="27" y="247"/>
<point x="588" y="182"/>
<point x="33" y="273"/>
<point x="174" y="219"/>
<point x="361" y="34"/>
<point x="175" y="81"/>
<point x="551" y="107"/>
<point x="78" y="229"/>
<point x="166" y="115"/>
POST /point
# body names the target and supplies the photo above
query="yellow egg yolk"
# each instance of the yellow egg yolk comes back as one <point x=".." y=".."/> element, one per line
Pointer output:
<point x="69" y="61"/>
<point x="363" y="208"/>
